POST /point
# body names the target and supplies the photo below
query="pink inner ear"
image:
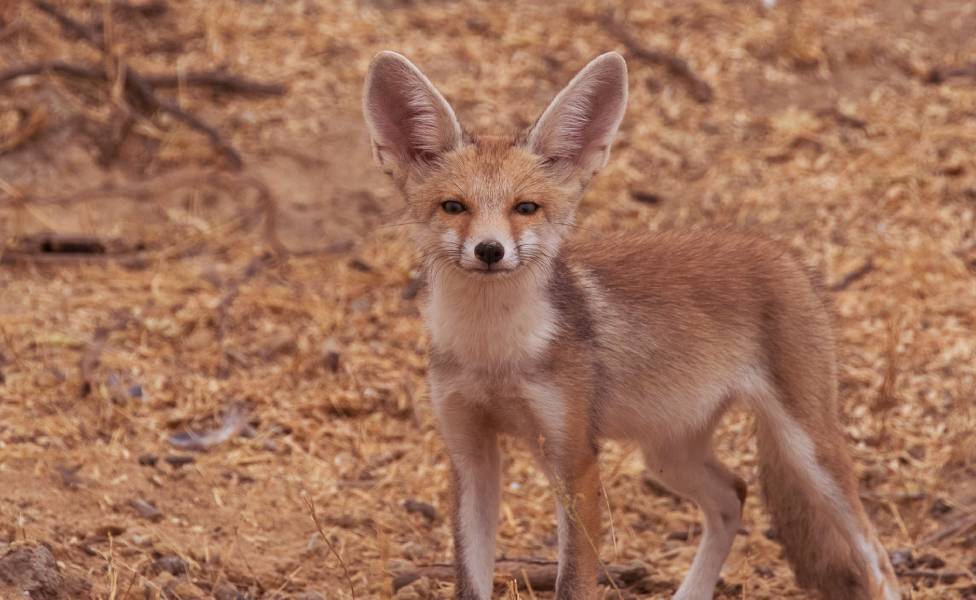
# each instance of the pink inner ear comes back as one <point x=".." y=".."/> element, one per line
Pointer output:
<point x="408" y="117"/>
<point x="579" y="125"/>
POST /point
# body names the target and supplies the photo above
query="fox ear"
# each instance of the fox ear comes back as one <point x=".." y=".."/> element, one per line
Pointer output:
<point x="576" y="130"/>
<point x="410" y="123"/>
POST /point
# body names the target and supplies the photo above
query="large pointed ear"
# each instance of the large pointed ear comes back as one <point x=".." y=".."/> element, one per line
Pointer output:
<point x="409" y="121"/>
<point x="575" y="132"/>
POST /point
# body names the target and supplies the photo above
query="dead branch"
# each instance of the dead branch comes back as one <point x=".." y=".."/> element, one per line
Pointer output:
<point x="152" y="8"/>
<point x="700" y="90"/>
<point x="267" y="206"/>
<point x="60" y="249"/>
<point x="69" y="24"/>
<point x="954" y="528"/>
<point x="948" y="577"/>
<point x="53" y="66"/>
<point x="219" y="81"/>
<point x="941" y="74"/>
<point x="846" y="281"/>
<point x="140" y="90"/>
<point x="539" y="574"/>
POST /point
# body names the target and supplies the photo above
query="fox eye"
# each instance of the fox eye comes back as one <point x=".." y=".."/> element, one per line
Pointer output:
<point x="453" y="207"/>
<point x="526" y="208"/>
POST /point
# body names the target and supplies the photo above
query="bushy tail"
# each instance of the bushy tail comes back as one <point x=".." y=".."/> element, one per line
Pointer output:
<point x="809" y="486"/>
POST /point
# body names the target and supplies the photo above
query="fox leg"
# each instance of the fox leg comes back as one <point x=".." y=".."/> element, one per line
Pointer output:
<point x="693" y="471"/>
<point x="566" y="450"/>
<point x="576" y="484"/>
<point x="475" y="462"/>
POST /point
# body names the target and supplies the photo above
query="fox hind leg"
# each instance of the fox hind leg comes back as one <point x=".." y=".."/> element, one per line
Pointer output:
<point x="693" y="472"/>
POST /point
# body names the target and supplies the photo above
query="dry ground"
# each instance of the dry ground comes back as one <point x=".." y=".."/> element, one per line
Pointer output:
<point x="824" y="131"/>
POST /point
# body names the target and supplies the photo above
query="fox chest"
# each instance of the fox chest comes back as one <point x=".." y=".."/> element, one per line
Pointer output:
<point x="490" y="332"/>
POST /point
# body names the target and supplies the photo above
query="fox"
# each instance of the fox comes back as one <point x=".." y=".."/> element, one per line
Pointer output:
<point x="565" y="340"/>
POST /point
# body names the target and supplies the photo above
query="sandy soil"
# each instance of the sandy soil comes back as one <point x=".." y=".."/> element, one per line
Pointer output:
<point x="302" y="337"/>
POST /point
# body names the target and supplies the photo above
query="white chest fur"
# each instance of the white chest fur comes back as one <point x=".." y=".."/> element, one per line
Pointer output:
<point x="490" y="325"/>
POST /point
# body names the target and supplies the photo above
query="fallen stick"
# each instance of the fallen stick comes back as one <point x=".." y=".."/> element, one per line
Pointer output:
<point x="267" y="205"/>
<point x="141" y="90"/>
<point x="153" y="8"/>
<point x="941" y="74"/>
<point x="217" y="80"/>
<point x="538" y="574"/>
<point x="846" y="281"/>
<point x="53" y="66"/>
<point x="700" y="90"/>
<point x="955" y="528"/>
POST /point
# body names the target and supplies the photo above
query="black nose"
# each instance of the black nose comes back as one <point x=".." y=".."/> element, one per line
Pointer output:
<point x="489" y="252"/>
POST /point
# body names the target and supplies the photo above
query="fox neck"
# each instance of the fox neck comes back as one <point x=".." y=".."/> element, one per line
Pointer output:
<point x="491" y="324"/>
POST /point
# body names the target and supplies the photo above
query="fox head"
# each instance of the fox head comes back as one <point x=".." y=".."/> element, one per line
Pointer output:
<point x="489" y="207"/>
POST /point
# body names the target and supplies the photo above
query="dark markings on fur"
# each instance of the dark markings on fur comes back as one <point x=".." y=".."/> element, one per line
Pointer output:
<point x="570" y="302"/>
<point x="441" y="361"/>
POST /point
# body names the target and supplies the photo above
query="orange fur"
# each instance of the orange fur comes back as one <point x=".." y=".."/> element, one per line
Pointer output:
<point x="644" y="337"/>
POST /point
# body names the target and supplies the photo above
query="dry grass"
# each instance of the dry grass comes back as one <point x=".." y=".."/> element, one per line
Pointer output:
<point x="823" y="131"/>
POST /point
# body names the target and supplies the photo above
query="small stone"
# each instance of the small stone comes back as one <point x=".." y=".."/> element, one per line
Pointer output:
<point x="179" y="460"/>
<point x="940" y="507"/>
<point x="148" y="460"/>
<point x="421" y="508"/>
<point x="170" y="563"/>
<point x="226" y="591"/>
<point x="413" y="551"/>
<point x="146" y="509"/>
<point x="360" y="265"/>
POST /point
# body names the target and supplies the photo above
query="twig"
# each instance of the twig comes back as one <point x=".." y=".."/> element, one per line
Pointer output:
<point x="954" y="528"/>
<point x="218" y="80"/>
<point x="70" y="24"/>
<point x="56" y="66"/>
<point x="152" y="8"/>
<point x="315" y="519"/>
<point x="536" y="574"/>
<point x="700" y="90"/>
<point x="141" y="90"/>
<point x="846" y="281"/>
<point x="267" y="204"/>
<point x="940" y="74"/>
<point x="949" y="577"/>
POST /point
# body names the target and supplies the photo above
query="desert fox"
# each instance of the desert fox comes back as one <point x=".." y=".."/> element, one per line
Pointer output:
<point x="643" y="337"/>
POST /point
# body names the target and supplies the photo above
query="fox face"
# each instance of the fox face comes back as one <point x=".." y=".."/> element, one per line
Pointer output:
<point x="491" y="206"/>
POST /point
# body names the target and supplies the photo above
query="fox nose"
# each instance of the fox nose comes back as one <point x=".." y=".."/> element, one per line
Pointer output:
<point x="489" y="252"/>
